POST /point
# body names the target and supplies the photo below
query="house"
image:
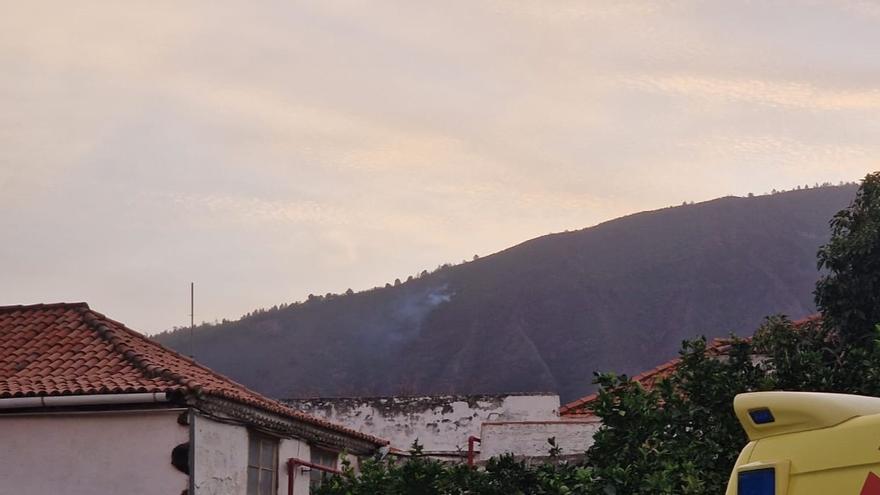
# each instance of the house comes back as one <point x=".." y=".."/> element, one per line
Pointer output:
<point x="442" y="424"/>
<point x="459" y="428"/>
<point x="89" y="406"/>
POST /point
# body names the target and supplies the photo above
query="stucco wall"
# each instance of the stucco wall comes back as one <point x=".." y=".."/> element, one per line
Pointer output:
<point x="530" y="438"/>
<point x="442" y="424"/>
<point x="219" y="458"/>
<point x="221" y="455"/>
<point x="91" y="453"/>
<point x="297" y="450"/>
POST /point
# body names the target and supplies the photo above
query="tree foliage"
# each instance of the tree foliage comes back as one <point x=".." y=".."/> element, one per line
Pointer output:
<point x="420" y="475"/>
<point x="682" y="437"/>
<point x="679" y="437"/>
<point x="848" y="295"/>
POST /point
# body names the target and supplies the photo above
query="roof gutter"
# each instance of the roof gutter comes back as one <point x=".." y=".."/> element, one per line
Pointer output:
<point x="82" y="400"/>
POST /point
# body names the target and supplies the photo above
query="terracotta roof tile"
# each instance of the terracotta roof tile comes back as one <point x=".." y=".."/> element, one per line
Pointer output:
<point x="68" y="349"/>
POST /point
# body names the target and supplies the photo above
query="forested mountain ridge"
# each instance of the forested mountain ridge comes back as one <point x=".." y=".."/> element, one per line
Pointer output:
<point x="545" y="314"/>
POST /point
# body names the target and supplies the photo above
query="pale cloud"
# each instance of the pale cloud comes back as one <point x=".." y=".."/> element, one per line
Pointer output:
<point x="790" y="152"/>
<point x="799" y="95"/>
<point x="275" y="149"/>
<point x="235" y="209"/>
<point x="576" y="11"/>
<point x="861" y="7"/>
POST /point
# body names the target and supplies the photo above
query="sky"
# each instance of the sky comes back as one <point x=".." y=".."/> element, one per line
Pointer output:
<point x="268" y="150"/>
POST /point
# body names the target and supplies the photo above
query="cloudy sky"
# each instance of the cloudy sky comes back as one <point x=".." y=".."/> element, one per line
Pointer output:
<point x="268" y="150"/>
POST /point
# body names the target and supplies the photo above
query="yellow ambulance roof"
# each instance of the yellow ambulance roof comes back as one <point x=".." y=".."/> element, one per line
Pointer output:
<point x="800" y="411"/>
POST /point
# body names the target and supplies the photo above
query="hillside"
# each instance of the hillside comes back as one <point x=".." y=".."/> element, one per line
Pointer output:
<point x="545" y="314"/>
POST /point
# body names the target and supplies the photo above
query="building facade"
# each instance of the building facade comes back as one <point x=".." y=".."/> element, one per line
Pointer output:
<point x="89" y="406"/>
<point x="449" y="427"/>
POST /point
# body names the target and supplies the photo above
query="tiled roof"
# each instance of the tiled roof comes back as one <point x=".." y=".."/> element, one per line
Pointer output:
<point x="68" y="349"/>
<point x="647" y="379"/>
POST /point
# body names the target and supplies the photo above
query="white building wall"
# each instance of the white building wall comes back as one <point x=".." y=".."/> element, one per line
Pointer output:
<point x="293" y="449"/>
<point x="91" y="453"/>
<point x="221" y="456"/>
<point x="442" y="424"/>
<point x="529" y="439"/>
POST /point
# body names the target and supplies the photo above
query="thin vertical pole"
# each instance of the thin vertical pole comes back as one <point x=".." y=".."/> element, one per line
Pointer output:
<point x="192" y="319"/>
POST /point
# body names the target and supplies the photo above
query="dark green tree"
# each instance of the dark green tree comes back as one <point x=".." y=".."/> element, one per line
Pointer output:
<point x="681" y="436"/>
<point x="848" y="294"/>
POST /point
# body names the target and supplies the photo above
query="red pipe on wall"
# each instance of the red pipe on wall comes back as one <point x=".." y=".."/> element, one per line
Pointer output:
<point x="293" y="462"/>
<point x="471" y="441"/>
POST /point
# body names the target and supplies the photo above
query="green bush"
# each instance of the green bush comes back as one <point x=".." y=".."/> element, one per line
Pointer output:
<point x="420" y="475"/>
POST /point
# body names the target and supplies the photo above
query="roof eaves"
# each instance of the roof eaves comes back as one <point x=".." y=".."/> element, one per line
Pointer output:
<point x="321" y="432"/>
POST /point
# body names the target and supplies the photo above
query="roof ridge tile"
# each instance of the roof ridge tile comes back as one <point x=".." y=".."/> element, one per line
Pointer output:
<point x="150" y="369"/>
<point x="16" y="307"/>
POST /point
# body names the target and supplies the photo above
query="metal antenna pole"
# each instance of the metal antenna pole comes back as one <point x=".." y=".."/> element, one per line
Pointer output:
<point x="192" y="319"/>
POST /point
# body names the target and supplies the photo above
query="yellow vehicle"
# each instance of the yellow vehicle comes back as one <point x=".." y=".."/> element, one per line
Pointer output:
<point x="804" y="443"/>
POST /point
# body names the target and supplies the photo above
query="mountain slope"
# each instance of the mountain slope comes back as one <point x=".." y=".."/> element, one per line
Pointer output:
<point x="547" y="313"/>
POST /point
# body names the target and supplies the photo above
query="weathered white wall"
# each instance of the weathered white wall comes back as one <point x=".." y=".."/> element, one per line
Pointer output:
<point x="91" y="453"/>
<point x="221" y="455"/>
<point x="530" y="438"/>
<point x="442" y="424"/>
<point x="297" y="450"/>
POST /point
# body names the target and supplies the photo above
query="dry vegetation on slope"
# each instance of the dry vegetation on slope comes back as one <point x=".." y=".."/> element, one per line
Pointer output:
<point x="545" y="314"/>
